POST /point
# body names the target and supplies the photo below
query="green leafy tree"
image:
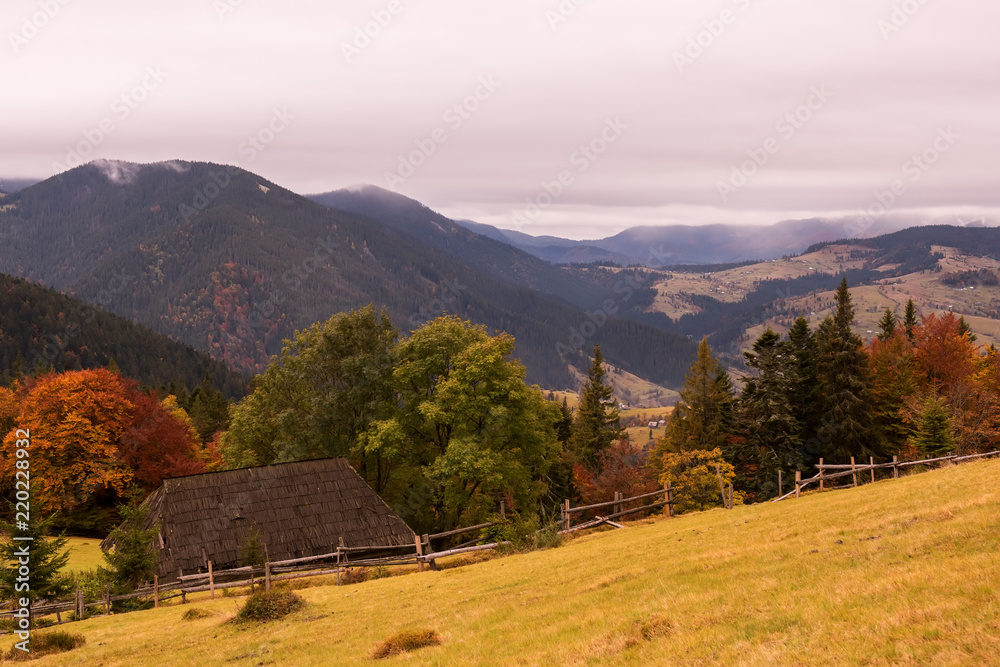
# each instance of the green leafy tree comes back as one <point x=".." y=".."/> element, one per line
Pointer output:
<point x="330" y="384"/>
<point x="703" y="419"/>
<point x="771" y="436"/>
<point x="133" y="559"/>
<point x="597" y="424"/>
<point x="845" y="396"/>
<point x="468" y="428"/>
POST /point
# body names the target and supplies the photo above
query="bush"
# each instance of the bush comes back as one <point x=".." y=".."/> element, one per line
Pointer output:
<point x="263" y="606"/>
<point x="411" y="640"/>
<point x="47" y="644"/>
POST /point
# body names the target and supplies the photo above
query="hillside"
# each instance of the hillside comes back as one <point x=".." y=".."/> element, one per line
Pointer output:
<point x="233" y="264"/>
<point x="41" y="326"/>
<point x="941" y="268"/>
<point x="898" y="572"/>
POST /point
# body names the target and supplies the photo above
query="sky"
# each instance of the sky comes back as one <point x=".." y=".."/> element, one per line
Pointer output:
<point x="577" y="118"/>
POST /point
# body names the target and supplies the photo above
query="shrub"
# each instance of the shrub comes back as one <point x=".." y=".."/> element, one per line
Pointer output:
<point x="410" y="640"/>
<point x="263" y="606"/>
<point x="47" y="644"/>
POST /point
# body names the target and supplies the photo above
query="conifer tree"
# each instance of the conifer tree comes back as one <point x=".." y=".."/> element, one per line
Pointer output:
<point x="703" y="419"/>
<point x="887" y="327"/>
<point x="47" y="556"/>
<point x="844" y="386"/>
<point x="910" y="319"/>
<point x="801" y="347"/>
<point x="597" y="424"/>
<point x="771" y="435"/>
<point x="934" y="436"/>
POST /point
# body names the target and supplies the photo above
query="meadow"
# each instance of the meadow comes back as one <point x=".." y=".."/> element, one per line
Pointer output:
<point x="895" y="572"/>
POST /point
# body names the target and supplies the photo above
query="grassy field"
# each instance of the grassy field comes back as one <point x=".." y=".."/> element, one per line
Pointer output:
<point x="897" y="572"/>
<point x="85" y="554"/>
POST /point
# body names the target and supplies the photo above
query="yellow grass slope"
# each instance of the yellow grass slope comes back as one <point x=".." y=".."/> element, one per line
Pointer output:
<point x="898" y="572"/>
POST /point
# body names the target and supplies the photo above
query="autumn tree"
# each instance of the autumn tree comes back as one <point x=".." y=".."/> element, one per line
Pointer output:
<point x="597" y="424"/>
<point x="694" y="475"/>
<point x="894" y="383"/>
<point x="620" y="468"/>
<point x="703" y="417"/>
<point x="76" y="421"/>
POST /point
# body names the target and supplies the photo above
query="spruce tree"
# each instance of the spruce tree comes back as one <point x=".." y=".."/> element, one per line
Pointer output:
<point x="845" y="398"/>
<point x="934" y="436"/>
<point x="771" y="435"/>
<point x="887" y="327"/>
<point x="910" y="319"/>
<point x="703" y="419"/>
<point x="47" y="556"/>
<point x="597" y="424"/>
<point x="132" y="561"/>
<point x="801" y="347"/>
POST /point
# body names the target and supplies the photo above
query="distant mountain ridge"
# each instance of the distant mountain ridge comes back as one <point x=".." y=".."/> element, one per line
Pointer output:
<point x="233" y="264"/>
<point x="673" y="245"/>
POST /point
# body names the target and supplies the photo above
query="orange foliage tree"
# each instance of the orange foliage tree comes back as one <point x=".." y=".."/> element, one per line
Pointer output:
<point x="622" y="468"/>
<point x="76" y="420"/>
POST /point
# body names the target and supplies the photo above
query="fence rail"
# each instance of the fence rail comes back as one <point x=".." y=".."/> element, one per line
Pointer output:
<point x="853" y="468"/>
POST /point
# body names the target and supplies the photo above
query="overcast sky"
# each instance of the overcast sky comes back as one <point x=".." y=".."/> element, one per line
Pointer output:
<point x="668" y="96"/>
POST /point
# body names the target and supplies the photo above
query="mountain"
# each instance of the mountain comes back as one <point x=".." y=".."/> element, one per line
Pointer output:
<point x="39" y="326"/>
<point x="673" y="245"/>
<point x="11" y="185"/>
<point x="232" y="264"/>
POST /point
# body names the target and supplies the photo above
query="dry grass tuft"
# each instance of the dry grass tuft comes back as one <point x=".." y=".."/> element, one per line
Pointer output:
<point x="46" y="644"/>
<point x="404" y="642"/>
<point x="263" y="606"/>
<point x="195" y="614"/>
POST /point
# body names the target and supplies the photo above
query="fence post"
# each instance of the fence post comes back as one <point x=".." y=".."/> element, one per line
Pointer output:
<point x="822" y="472"/>
<point x="267" y="576"/>
<point x="107" y="600"/>
<point x="871" y="462"/>
<point x="730" y="495"/>
<point x="566" y="517"/>
<point x="211" y="580"/>
<point x="854" y="472"/>
<point x="669" y="497"/>
<point x="338" y="566"/>
<point x="616" y="508"/>
<point x="420" y="553"/>
<point x="895" y="467"/>
<point x="427" y="544"/>
<point x="722" y="489"/>
<point x="798" y="483"/>
<point x="780" y="490"/>
<point x="156" y="591"/>
<point x="79" y="613"/>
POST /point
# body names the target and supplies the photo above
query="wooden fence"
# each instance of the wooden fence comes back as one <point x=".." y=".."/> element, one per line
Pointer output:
<point x="853" y="469"/>
<point x="618" y="509"/>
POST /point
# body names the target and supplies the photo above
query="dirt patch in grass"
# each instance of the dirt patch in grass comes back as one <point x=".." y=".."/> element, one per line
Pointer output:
<point x="637" y="632"/>
<point x="263" y="606"/>
<point x="46" y="644"/>
<point x="404" y="642"/>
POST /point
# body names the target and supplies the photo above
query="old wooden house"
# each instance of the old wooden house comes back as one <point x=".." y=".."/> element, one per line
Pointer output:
<point x="299" y="509"/>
